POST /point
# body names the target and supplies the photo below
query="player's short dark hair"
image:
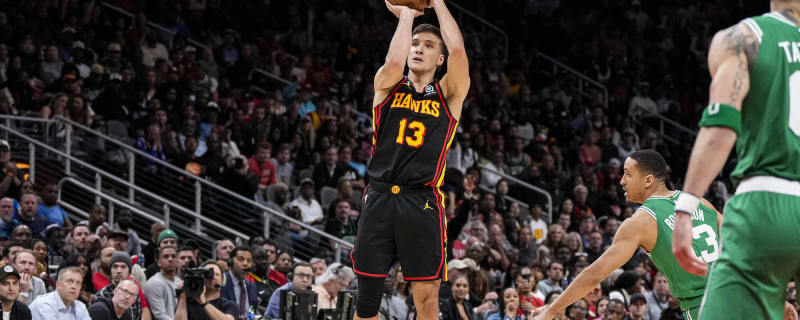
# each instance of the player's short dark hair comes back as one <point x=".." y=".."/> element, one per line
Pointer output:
<point x="651" y="162"/>
<point x="425" y="27"/>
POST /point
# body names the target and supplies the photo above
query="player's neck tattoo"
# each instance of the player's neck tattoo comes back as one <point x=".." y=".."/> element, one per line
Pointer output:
<point x="792" y="14"/>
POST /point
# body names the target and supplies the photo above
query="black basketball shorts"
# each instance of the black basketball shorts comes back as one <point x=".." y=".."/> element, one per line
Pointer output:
<point x="402" y="224"/>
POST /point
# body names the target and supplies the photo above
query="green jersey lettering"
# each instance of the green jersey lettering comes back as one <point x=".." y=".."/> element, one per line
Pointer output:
<point x="688" y="288"/>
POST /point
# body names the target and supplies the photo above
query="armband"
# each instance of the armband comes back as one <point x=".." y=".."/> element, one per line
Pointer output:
<point x="722" y="115"/>
<point x="687" y="203"/>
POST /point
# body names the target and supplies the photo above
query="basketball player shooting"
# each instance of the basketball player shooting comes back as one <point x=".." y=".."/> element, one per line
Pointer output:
<point x="414" y="121"/>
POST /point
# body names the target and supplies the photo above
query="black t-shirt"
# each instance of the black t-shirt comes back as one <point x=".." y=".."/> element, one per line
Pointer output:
<point x="14" y="188"/>
<point x="196" y="311"/>
<point x="19" y="311"/>
<point x="103" y="309"/>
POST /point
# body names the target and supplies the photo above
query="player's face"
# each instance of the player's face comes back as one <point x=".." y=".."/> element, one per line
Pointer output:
<point x="633" y="182"/>
<point x="426" y="52"/>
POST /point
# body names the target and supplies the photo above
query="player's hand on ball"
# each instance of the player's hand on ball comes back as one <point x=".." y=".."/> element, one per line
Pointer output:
<point x="682" y="246"/>
<point x="402" y="5"/>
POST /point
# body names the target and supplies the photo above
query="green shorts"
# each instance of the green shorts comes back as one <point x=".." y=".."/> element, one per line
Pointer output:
<point x="691" y="314"/>
<point x="760" y="244"/>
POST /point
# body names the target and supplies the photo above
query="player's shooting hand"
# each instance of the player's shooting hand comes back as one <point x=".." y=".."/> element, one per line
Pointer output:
<point x="398" y="10"/>
<point x="789" y="313"/>
<point x="682" y="246"/>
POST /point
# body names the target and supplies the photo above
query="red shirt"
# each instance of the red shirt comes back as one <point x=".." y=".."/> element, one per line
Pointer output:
<point x="533" y="300"/>
<point x="100" y="281"/>
<point x="273" y="275"/>
<point x="277" y="276"/>
<point x="266" y="172"/>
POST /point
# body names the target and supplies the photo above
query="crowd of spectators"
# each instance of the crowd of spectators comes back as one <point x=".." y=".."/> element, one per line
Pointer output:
<point x="301" y="148"/>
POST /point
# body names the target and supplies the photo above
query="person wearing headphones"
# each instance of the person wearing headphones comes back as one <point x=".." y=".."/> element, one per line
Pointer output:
<point x="237" y="288"/>
<point x="335" y="278"/>
<point x="210" y="305"/>
<point x="302" y="277"/>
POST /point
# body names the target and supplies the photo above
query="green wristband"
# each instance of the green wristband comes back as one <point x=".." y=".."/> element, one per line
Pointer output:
<point x="722" y="115"/>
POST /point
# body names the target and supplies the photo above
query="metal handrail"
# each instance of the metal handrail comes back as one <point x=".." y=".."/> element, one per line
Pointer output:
<point x="485" y="22"/>
<point x="150" y="23"/>
<point x="580" y="75"/>
<point x="207" y="183"/>
<point x="667" y="120"/>
<point x="269" y="75"/>
<point x="528" y="186"/>
<point x="126" y="183"/>
<point x="100" y="194"/>
<point x="507" y="197"/>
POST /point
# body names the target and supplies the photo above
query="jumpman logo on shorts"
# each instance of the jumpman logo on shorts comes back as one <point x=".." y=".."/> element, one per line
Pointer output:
<point x="427" y="206"/>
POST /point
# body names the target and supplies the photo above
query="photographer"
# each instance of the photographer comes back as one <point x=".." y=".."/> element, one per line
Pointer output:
<point x="209" y="304"/>
<point x="238" y="178"/>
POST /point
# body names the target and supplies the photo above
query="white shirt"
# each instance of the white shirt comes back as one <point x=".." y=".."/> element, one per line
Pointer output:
<point x="460" y="158"/>
<point x="310" y="211"/>
<point x="643" y="103"/>
<point x="489" y="178"/>
<point x="539" y="230"/>
<point x="51" y="307"/>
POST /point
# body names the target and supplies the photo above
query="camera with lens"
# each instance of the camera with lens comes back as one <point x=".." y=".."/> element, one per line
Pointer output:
<point x="194" y="281"/>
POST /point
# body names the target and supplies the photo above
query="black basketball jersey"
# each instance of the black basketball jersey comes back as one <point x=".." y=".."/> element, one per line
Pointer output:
<point x="412" y="132"/>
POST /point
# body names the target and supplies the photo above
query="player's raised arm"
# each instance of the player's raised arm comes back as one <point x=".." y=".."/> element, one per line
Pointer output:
<point x="392" y="70"/>
<point x="630" y="236"/>
<point x="733" y="52"/>
<point x="455" y="83"/>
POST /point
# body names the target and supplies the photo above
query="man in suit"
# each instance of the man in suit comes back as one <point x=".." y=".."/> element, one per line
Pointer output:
<point x="237" y="287"/>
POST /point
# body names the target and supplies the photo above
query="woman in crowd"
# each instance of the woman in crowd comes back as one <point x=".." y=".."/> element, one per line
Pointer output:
<point x="457" y="307"/>
<point x="509" y="306"/>
<point x="578" y="310"/>
<point x="555" y="238"/>
<point x="40" y="252"/>
<point x="574" y="243"/>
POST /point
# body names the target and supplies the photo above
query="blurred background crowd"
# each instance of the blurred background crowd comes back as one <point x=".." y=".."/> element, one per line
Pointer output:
<point x="272" y="101"/>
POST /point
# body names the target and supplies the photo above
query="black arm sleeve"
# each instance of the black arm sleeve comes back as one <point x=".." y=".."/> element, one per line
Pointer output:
<point x="454" y="226"/>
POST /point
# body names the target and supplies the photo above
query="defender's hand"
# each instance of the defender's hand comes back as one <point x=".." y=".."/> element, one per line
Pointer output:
<point x="682" y="246"/>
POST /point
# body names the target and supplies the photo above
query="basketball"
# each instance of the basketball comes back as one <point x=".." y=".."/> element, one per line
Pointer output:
<point x="413" y="4"/>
